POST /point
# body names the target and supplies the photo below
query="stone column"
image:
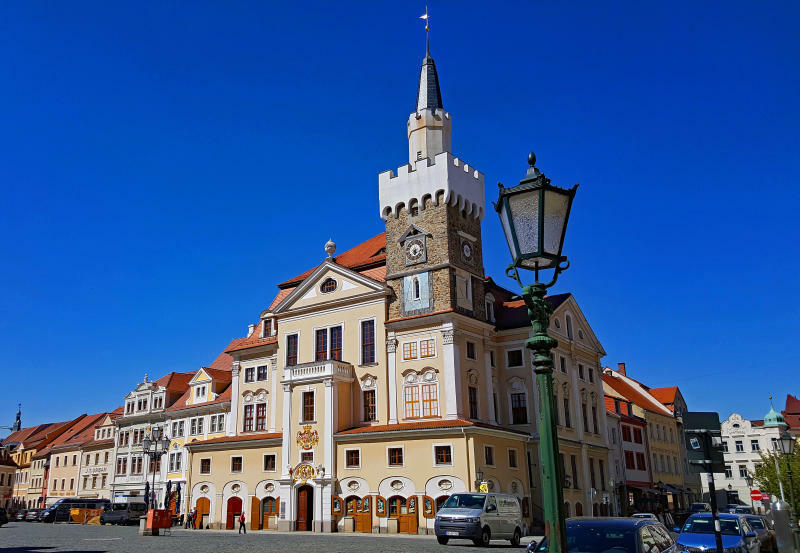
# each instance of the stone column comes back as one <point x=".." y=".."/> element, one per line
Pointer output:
<point x="286" y="444"/>
<point x="452" y="372"/>
<point x="273" y="395"/>
<point x="328" y="427"/>
<point x="233" y="419"/>
<point x="391" y="358"/>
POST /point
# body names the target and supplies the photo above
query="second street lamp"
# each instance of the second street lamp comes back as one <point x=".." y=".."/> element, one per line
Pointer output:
<point x="534" y="215"/>
<point x="154" y="446"/>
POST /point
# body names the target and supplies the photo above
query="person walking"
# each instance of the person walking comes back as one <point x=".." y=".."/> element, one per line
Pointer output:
<point x="194" y="519"/>
<point x="241" y="523"/>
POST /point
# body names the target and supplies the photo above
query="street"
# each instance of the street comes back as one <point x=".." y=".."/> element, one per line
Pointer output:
<point x="18" y="537"/>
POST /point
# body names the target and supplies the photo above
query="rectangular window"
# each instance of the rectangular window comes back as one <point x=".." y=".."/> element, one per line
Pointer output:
<point x="236" y="464"/>
<point x="592" y="478"/>
<point x="395" y="456"/>
<point x="488" y="455"/>
<point x="427" y="348"/>
<point x="261" y="372"/>
<point x="626" y="433"/>
<point x="409" y="350"/>
<point x="443" y="455"/>
<point x="370" y="408"/>
<point x="72" y="483"/>
<point x="352" y="458"/>
<point x="247" y="420"/>
<point x="519" y="409"/>
<point x="739" y="446"/>
<point x="473" y="402"/>
<point x="556" y="414"/>
<point x="602" y="468"/>
<point x="743" y="471"/>
<point x="367" y="342"/>
<point x="594" y="420"/>
<point x="575" y="482"/>
<point x="470" y="350"/>
<point x="250" y="374"/>
<point x="637" y="435"/>
<point x="411" y="400"/>
<point x="212" y="426"/>
<point x="629" y="460"/>
<point x="640" y="464"/>
<point x="491" y="358"/>
<point x="321" y="344"/>
<point x="754" y="445"/>
<point x="430" y="401"/>
<point x="585" y="420"/>
<point x="563" y="364"/>
<point x="308" y="406"/>
<point x="291" y="350"/>
<point x="591" y="374"/>
<point x="724" y="446"/>
<point x="261" y="416"/>
<point x="97" y="456"/>
<point x="580" y="372"/>
<point x="567" y="414"/>
<point x="514" y="358"/>
<point x="336" y="343"/>
<point x="269" y="462"/>
<point x="306" y="456"/>
<point x="205" y="466"/>
<point x="728" y="472"/>
<point x="512" y="458"/>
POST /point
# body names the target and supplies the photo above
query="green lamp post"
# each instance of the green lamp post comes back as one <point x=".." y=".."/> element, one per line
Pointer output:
<point x="534" y="216"/>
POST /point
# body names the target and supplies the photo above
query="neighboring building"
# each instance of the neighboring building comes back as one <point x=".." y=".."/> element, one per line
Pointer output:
<point x="7" y="469"/>
<point x="97" y="459"/>
<point x="39" y="485"/>
<point x="791" y="415"/>
<point x="742" y="442"/>
<point x="618" y="496"/>
<point x="395" y="373"/>
<point x="663" y="439"/>
<point x="636" y="484"/>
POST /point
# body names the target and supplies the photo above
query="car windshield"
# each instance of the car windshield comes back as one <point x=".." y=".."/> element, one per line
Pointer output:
<point x="728" y="526"/>
<point x="756" y="523"/>
<point x="465" y="501"/>
<point x="605" y="538"/>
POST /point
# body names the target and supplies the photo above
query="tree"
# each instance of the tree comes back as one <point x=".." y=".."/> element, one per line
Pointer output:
<point x="765" y="477"/>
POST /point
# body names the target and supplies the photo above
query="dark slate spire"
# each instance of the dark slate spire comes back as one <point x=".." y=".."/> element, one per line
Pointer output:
<point x="429" y="95"/>
<point x="18" y="422"/>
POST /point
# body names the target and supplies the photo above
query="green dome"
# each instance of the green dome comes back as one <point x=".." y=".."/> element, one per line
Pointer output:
<point x="773" y="418"/>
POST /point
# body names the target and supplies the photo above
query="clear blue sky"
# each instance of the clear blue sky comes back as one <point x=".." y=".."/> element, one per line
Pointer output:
<point x="164" y="164"/>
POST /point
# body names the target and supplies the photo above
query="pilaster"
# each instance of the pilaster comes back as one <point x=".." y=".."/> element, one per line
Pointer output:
<point x="233" y="418"/>
<point x="487" y="361"/>
<point x="391" y="357"/>
<point x="452" y="372"/>
<point x="273" y="394"/>
<point x="286" y="444"/>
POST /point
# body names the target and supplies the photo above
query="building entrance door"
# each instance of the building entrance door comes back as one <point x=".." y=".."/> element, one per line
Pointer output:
<point x="405" y="511"/>
<point x="305" y="508"/>
<point x="234" y="510"/>
<point x="269" y="508"/>
<point x="361" y="511"/>
<point x="203" y="506"/>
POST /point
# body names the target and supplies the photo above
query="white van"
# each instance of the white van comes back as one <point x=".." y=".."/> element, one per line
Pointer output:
<point x="480" y="517"/>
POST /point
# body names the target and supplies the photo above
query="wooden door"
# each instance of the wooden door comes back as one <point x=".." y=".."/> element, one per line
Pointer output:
<point x="305" y="504"/>
<point x="269" y="508"/>
<point x="363" y="519"/>
<point x="203" y="506"/>
<point x="255" y="520"/>
<point x="408" y="516"/>
<point x="234" y="510"/>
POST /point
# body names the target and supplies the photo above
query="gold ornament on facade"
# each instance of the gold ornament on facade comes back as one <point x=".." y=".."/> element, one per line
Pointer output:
<point x="307" y="438"/>
<point x="303" y="473"/>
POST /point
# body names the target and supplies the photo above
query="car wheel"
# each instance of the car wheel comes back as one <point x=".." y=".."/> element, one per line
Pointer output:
<point x="486" y="536"/>
<point x="442" y="540"/>
<point x="515" y="539"/>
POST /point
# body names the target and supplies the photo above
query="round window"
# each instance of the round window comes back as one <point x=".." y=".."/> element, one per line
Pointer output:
<point x="329" y="285"/>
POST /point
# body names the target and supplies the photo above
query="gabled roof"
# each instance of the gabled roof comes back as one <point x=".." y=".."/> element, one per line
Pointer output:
<point x="174" y="381"/>
<point x="252" y="341"/>
<point x="634" y="392"/>
<point x="792" y="404"/>
<point x="368" y="254"/>
<point x="666" y="395"/>
<point x="80" y="432"/>
<point x="224" y="362"/>
<point x="182" y="404"/>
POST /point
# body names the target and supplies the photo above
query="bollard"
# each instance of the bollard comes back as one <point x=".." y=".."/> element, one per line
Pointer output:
<point x="782" y="518"/>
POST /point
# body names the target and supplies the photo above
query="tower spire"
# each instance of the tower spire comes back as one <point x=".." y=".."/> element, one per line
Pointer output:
<point x="18" y="421"/>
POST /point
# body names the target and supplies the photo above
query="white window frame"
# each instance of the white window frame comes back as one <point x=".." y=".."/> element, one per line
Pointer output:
<point x="230" y="464"/>
<point x="359" y="458"/>
<point x="264" y="459"/>
<point x="200" y="466"/>
<point x="433" y="453"/>
<point x="307" y="451"/>
<point x="522" y="355"/>
<point x="361" y="340"/>
<point x="389" y="465"/>
<point x="328" y="338"/>
<point x="374" y="389"/>
<point x="286" y="347"/>
<point x="527" y="408"/>
<point x="302" y="408"/>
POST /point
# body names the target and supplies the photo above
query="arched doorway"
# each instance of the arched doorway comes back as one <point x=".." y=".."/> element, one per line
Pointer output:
<point x="578" y="509"/>
<point x="405" y="511"/>
<point x="305" y="508"/>
<point x="203" y="507"/>
<point x="361" y="511"/>
<point x="269" y="508"/>
<point x="234" y="510"/>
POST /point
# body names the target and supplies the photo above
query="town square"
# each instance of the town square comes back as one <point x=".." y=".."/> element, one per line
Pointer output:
<point x="246" y="310"/>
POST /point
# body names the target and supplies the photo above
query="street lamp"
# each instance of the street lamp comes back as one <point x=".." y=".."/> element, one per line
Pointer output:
<point x="534" y="216"/>
<point x="786" y="442"/>
<point x="478" y="478"/>
<point x="155" y="446"/>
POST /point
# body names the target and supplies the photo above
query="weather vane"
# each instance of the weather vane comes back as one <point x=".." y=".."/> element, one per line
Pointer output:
<point x="427" y="29"/>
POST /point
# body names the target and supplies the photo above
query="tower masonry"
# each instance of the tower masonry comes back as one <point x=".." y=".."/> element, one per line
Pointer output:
<point x="433" y="207"/>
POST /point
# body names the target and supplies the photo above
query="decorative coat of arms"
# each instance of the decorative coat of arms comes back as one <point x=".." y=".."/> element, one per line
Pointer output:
<point x="303" y="473"/>
<point x="307" y="438"/>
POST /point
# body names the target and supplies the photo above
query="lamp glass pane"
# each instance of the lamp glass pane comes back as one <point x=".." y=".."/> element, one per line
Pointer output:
<point x="525" y="216"/>
<point x="555" y="215"/>
<point x="507" y="230"/>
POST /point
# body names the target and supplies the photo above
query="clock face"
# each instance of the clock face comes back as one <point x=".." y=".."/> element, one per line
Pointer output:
<point x="414" y="249"/>
<point x="467" y="249"/>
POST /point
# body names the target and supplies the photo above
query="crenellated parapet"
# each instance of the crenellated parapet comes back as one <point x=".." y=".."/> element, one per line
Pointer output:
<point x="445" y="179"/>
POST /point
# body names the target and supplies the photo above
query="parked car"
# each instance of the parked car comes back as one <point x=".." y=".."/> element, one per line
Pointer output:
<point x="60" y="510"/>
<point x="32" y="515"/>
<point x="697" y="533"/>
<point x="644" y="515"/>
<point x="123" y="513"/>
<point x="21" y="514"/>
<point x="766" y="535"/>
<point x="700" y="508"/>
<point x="479" y="517"/>
<point x="3" y="516"/>
<point x="620" y="535"/>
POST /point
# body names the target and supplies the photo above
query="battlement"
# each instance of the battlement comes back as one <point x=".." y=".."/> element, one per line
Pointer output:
<point x="445" y="175"/>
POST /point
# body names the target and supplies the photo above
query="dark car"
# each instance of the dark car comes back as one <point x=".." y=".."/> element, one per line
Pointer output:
<point x="700" y="508"/>
<point x="21" y="514"/>
<point x="123" y="513"/>
<point x="32" y="515"/>
<point x="622" y="535"/>
<point x="766" y="535"/>
<point x="697" y="534"/>
<point x="3" y="516"/>
<point x="60" y="510"/>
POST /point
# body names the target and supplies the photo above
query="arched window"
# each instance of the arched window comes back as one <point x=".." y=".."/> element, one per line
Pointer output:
<point x="566" y="510"/>
<point x="397" y="506"/>
<point x="328" y="285"/>
<point x="569" y="327"/>
<point x="578" y="509"/>
<point x="440" y="501"/>
<point x="416" y="288"/>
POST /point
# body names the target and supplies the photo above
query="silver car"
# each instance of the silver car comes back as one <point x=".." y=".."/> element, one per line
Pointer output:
<point x="480" y="517"/>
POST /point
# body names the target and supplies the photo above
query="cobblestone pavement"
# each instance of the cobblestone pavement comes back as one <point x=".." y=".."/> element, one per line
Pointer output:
<point x="31" y="537"/>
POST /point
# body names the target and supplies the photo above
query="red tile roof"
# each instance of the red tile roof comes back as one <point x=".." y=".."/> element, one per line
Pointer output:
<point x="792" y="404"/>
<point x="252" y="341"/>
<point x="422" y="425"/>
<point x="665" y="395"/>
<point x="370" y="253"/>
<point x="242" y="438"/>
<point x="175" y="382"/>
<point x="81" y="432"/>
<point x="510" y="310"/>
<point x="635" y="394"/>
<point x="181" y="403"/>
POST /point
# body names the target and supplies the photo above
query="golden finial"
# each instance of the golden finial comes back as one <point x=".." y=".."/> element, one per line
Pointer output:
<point x="427" y="30"/>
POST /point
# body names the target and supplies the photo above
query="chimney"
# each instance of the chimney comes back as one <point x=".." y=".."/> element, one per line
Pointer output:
<point x="250" y="329"/>
<point x="621" y="369"/>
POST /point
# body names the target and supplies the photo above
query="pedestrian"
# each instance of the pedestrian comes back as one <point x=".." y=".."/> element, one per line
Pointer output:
<point x="194" y="519"/>
<point x="241" y="523"/>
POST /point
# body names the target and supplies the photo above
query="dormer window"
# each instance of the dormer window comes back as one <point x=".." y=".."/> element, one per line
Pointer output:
<point x="200" y="393"/>
<point x="328" y="285"/>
